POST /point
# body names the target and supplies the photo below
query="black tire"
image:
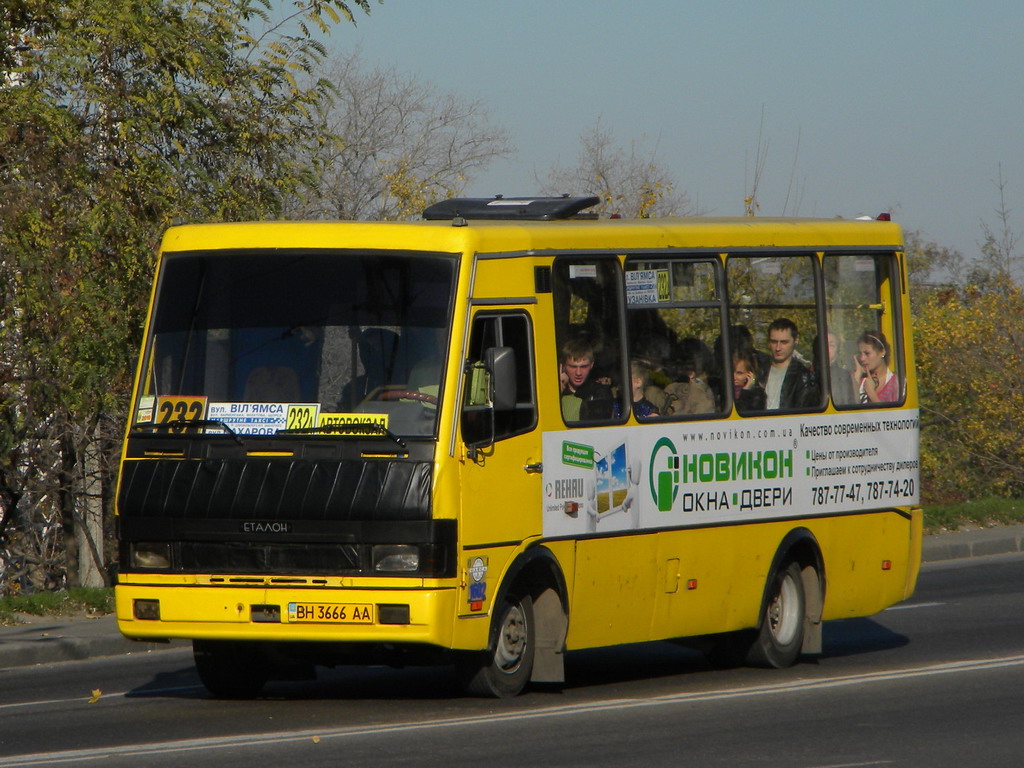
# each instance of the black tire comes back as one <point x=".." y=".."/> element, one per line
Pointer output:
<point x="230" y="670"/>
<point x="504" y="671"/>
<point x="781" y="634"/>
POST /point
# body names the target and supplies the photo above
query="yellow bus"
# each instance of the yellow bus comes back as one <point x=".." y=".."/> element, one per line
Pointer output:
<point x="512" y="430"/>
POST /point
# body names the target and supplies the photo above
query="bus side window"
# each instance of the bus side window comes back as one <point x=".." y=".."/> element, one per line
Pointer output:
<point x="594" y="384"/>
<point x="674" y="318"/>
<point x="498" y="330"/>
<point x="773" y="309"/>
<point x="864" y="329"/>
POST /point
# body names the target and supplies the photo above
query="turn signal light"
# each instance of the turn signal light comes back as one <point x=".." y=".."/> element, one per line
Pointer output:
<point x="146" y="610"/>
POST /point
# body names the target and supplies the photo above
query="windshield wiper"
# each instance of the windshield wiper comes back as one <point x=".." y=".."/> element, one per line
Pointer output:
<point x="183" y="424"/>
<point x="368" y="428"/>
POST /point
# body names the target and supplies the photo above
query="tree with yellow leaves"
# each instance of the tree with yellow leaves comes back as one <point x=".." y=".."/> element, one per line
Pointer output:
<point x="970" y="365"/>
<point x="969" y="340"/>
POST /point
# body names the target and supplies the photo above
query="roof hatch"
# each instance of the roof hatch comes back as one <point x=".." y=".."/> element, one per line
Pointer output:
<point x="510" y="208"/>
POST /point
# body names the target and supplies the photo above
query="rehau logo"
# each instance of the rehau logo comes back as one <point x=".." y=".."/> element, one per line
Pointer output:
<point x="571" y="488"/>
<point x="265" y="526"/>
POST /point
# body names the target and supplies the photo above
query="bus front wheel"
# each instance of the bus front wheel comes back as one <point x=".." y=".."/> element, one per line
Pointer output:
<point x="780" y="636"/>
<point x="230" y="670"/>
<point x="504" y="670"/>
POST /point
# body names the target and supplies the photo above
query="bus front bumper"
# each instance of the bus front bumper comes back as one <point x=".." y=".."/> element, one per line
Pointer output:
<point x="277" y="614"/>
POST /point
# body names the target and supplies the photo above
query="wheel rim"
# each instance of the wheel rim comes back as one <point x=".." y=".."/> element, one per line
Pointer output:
<point x="508" y="656"/>
<point x="784" y="612"/>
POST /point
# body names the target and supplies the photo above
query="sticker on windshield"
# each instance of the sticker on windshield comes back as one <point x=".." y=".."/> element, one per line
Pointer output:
<point x="339" y="420"/>
<point x="147" y="407"/>
<point x="170" y="409"/>
<point x="302" y="416"/>
<point x="251" y="418"/>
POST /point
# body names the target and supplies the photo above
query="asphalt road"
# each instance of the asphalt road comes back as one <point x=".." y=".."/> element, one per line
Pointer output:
<point x="933" y="682"/>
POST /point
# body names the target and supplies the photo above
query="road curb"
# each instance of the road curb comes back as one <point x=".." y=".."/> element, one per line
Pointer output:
<point x="44" y="640"/>
<point x="23" y="653"/>
<point x="979" y="543"/>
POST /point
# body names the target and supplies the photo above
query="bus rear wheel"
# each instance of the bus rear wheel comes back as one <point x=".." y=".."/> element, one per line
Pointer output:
<point x="505" y="670"/>
<point x="230" y="670"/>
<point x="781" y="634"/>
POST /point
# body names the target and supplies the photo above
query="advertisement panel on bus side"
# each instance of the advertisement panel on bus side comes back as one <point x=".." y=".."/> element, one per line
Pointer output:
<point x="666" y="474"/>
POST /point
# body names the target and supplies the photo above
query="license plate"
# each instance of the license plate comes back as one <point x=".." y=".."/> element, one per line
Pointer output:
<point x="330" y="613"/>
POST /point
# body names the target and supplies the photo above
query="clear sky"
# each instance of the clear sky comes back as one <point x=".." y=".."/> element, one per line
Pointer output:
<point x="868" y="106"/>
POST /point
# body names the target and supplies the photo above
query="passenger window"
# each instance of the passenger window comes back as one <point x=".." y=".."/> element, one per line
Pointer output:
<point x="865" y="361"/>
<point x="674" y="312"/>
<point x="773" y="325"/>
<point x="593" y="384"/>
<point x="498" y="330"/>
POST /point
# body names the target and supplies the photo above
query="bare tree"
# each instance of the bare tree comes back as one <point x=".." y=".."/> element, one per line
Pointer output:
<point x="998" y="247"/>
<point x="393" y="144"/>
<point x="751" y="202"/>
<point x="752" y="186"/>
<point x="631" y="181"/>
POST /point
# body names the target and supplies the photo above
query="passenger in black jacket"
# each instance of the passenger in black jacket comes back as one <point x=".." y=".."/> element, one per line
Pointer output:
<point x="748" y="394"/>
<point x="788" y="382"/>
<point x="583" y="398"/>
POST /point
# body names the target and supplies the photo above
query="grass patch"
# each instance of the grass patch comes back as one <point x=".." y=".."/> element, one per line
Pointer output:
<point x="97" y="600"/>
<point x="982" y="513"/>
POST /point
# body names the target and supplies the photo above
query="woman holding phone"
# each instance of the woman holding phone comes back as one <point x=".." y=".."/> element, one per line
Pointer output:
<point x="872" y="379"/>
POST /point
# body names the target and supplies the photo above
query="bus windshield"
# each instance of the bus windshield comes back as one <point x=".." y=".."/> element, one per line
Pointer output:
<point x="308" y="341"/>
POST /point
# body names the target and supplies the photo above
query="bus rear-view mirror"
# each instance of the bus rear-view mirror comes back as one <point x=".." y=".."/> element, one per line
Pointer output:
<point x="501" y="362"/>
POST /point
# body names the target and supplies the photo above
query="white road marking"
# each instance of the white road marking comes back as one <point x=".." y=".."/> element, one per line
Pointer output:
<point x="913" y="605"/>
<point x="103" y="695"/>
<point x="463" y="721"/>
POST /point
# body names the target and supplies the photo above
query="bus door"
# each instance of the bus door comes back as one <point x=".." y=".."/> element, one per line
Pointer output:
<point x="500" y="475"/>
<point x="591" y="467"/>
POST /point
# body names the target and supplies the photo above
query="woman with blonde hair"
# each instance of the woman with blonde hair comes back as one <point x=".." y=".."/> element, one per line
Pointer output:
<point x="872" y="379"/>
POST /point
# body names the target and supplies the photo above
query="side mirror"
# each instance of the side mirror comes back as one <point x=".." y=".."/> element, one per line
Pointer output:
<point x="501" y="363"/>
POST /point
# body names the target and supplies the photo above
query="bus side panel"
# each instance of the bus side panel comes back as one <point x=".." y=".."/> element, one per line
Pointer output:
<point x="916" y="531"/>
<point x="613" y="599"/>
<point x="871" y="562"/>
<point x="501" y="568"/>
<point x="712" y="580"/>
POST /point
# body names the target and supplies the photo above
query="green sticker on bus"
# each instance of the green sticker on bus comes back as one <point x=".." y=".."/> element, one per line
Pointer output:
<point x="576" y="455"/>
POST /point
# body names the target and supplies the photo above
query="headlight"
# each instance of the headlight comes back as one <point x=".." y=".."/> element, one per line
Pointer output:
<point x="153" y="555"/>
<point x="396" y="558"/>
